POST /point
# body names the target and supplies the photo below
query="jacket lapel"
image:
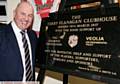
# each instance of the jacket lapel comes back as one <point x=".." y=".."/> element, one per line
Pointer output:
<point x="13" y="44"/>
<point x="33" y="44"/>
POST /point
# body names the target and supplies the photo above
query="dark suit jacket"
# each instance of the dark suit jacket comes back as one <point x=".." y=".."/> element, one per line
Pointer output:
<point x="11" y="68"/>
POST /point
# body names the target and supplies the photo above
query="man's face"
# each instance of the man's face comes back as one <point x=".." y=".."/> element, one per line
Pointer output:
<point x="23" y="16"/>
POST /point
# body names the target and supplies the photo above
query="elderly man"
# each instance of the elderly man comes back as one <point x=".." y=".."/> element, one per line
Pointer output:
<point x="17" y="46"/>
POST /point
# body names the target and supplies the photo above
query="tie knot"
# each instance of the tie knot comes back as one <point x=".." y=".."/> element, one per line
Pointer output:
<point x="22" y="32"/>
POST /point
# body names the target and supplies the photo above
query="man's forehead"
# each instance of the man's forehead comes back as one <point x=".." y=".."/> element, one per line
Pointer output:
<point x="24" y="5"/>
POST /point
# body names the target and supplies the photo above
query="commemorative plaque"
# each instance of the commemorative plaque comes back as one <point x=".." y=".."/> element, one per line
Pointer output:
<point x="84" y="44"/>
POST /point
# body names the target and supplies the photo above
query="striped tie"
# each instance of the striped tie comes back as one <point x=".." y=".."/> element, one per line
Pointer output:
<point x="29" y="73"/>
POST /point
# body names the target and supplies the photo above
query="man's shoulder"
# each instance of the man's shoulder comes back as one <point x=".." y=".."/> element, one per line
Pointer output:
<point x="4" y="27"/>
<point x="32" y="32"/>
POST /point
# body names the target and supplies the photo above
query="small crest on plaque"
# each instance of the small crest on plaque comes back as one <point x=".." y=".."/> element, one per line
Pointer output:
<point x="73" y="40"/>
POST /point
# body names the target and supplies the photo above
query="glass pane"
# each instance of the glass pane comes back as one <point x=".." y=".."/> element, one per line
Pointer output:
<point x="2" y="10"/>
